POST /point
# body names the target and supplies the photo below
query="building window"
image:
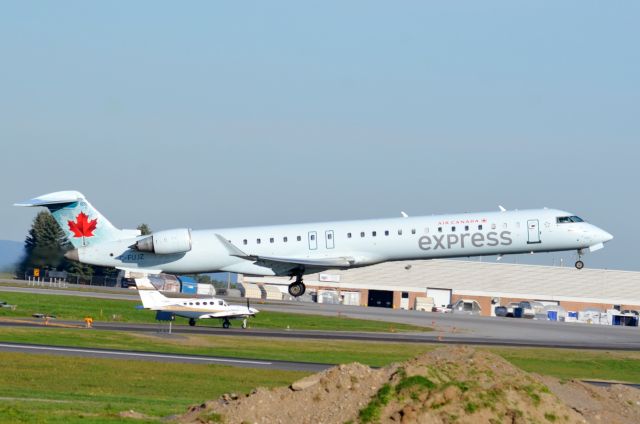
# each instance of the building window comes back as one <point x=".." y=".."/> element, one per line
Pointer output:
<point x="373" y="233"/>
<point x="386" y="232"/>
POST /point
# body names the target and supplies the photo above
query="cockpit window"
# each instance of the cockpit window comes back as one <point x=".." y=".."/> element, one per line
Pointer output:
<point x="567" y="219"/>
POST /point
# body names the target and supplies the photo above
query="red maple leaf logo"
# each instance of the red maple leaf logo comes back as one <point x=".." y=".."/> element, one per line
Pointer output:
<point x="82" y="227"/>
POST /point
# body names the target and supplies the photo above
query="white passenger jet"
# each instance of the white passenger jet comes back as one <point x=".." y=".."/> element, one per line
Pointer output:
<point x="299" y="249"/>
<point x="193" y="308"/>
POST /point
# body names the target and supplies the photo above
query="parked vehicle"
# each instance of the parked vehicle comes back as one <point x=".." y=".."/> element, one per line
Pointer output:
<point x="466" y="306"/>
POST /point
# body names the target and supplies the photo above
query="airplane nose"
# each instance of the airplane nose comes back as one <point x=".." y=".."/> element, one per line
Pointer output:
<point x="72" y="255"/>
<point x="603" y="236"/>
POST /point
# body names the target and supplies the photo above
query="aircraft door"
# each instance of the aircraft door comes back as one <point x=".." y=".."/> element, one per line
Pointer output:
<point x="313" y="240"/>
<point x="533" y="228"/>
<point x="328" y="238"/>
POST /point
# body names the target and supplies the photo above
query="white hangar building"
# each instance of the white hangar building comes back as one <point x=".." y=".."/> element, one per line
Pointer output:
<point x="399" y="284"/>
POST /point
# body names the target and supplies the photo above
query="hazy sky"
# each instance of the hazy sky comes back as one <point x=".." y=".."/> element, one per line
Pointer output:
<point x="211" y="114"/>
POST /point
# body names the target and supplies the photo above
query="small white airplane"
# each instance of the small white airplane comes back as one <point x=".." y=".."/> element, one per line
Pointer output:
<point x="194" y="308"/>
<point x="299" y="249"/>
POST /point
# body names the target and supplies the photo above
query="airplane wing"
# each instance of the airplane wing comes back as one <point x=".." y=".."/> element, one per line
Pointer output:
<point x="227" y="314"/>
<point x="336" y="262"/>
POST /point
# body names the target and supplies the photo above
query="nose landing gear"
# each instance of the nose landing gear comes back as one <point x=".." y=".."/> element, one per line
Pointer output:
<point x="579" y="263"/>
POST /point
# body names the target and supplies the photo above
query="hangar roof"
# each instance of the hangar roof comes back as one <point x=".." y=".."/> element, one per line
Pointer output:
<point x="485" y="278"/>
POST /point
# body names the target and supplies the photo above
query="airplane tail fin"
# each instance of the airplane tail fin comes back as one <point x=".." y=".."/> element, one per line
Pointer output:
<point x="153" y="299"/>
<point x="80" y="221"/>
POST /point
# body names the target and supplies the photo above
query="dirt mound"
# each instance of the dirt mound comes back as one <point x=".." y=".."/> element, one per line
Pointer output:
<point x="448" y="385"/>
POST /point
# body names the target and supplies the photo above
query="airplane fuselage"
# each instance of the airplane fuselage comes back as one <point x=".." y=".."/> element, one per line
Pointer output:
<point x="364" y="242"/>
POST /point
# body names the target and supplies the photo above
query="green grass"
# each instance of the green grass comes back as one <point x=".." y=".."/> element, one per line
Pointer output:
<point x="108" y="310"/>
<point x="57" y="389"/>
<point x="581" y="364"/>
<point x="371" y="412"/>
<point x="332" y="352"/>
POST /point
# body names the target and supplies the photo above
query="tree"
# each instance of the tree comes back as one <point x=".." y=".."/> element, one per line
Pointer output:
<point x="144" y="229"/>
<point x="44" y="245"/>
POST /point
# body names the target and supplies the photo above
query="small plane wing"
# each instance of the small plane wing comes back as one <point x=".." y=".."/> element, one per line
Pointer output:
<point x="337" y="262"/>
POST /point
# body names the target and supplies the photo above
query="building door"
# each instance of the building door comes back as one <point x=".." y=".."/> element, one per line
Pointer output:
<point x="404" y="301"/>
<point x="313" y="240"/>
<point x="328" y="238"/>
<point x="380" y="298"/>
<point x="534" y="231"/>
<point x="441" y="297"/>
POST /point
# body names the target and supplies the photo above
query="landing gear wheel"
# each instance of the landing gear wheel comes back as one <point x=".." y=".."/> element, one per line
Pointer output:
<point x="192" y="322"/>
<point x="297" y="289"/>
<point x="226" y="323"/>
<point x="579" y="264"/>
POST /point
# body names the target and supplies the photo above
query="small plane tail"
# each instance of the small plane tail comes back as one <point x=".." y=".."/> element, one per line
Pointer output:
<point x="153" y="299"/>
<point x="80" y="221"/>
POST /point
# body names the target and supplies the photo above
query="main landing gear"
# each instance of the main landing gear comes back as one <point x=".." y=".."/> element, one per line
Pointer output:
<point x="579" y="263"/>
<point x="192" y="322"/>
<point x="297" y="288"/>
<point x="226" y="323"/>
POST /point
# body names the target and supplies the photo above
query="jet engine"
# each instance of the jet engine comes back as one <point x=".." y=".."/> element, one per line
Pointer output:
<point x="166" y="242"/>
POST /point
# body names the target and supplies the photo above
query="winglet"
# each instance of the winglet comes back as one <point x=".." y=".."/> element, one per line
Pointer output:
<point x="502" y="209"/>
<point x="404" y="214"/>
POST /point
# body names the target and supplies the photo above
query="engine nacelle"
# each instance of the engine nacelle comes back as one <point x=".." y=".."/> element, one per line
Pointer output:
<point x="166" y="242"/>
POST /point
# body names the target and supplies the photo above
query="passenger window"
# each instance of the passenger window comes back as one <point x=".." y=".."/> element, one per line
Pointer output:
<point x="453" y="229"/>
<point x="479" y="227"/>
<point x="191" y="303"/>
<point x="244" y="241"/>
<point x="299" y="238"/>
<point x="504" y="225"/>
<point x="329" y="236"/>
<point x="219" y="302"/>
<point x="258" y="241"/>
<point x="313" y="237"/>
<point x="373" y="233"/>
<point x="285" y="239"/>
<point x="386" y="232"/>
<point x="348" y="235"/>
<point x="439" y="229"/>
<point x="399" y="232"/>
<point x="466" y="228"/>
<point x="198" y="303"/>
<point x="271" y="240"/>
<point x="362" y="234"/>
<point x="413" y="231"/>
<point x="493" y="226"/>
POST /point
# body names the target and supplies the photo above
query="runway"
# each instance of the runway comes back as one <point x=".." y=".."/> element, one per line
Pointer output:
<point x="160" y="357"/>
<point x="449" y="328"/>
